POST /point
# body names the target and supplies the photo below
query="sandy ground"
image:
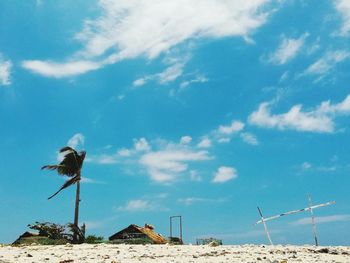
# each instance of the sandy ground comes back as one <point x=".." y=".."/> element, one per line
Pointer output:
<point x="166" y="253"/>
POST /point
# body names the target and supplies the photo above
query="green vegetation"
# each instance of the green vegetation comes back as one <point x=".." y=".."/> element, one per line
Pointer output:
<point x="92" y="239"/>
<point x="52" y="234"/>
<point x="39" y="240"/>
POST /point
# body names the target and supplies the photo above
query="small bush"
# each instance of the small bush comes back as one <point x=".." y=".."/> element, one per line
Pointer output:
<point x="39" y="240"/>
<point x="92" y="239"/>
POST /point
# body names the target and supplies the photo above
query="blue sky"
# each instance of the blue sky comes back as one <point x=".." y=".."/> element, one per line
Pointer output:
<point x="199" y="108"/>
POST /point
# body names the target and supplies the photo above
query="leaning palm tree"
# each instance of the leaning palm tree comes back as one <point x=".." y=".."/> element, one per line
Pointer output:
<point x="70" y="166"/>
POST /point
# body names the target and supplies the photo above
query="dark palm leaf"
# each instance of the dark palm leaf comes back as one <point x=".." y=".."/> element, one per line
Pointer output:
<point x="67" y="184"/>
<point x="71" y="163"/>
<point x="69" y="166"/>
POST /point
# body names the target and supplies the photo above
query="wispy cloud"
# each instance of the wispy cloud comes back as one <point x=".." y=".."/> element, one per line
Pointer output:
<point x="326" y="64"/>
<point x="185" y="139"/>
<point x="249" y="138"/>
<point x="225" y="174"/>
<point x="188" y="201"/>
<point x="320" y="119"/>
<point x="170" y="74"/>
<point x="59" y="70"/>
<point x="141" y="145"/>
<point x="287" y="50"/>
<point x="224" y="133"/>
<point x="128" y="29"/>
<point x="78" y="139"/>
<point x="306" y="166"/>
<point x="163" y="161"/>
<point x="343" y="7"/>
<point x="87" y="180"/>
<point x="194" y="176"/>
<point x="322" y="219"/>
<point x="309" y="167"/>
<point x="204" y="143"/>
<point x="165" y="166"/>
<point x="144" y="204"/>
<point x="234" y="127"/>
<point x="196" y="79"/>
<point x="137" y="205"/>
<point x="5" y="71"/>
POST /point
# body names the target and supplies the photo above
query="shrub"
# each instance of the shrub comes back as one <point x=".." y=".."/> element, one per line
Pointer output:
<point x="92" y="239"/>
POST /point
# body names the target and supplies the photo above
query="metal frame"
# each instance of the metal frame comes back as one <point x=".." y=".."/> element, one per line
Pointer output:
<point x="171" y="226"/>
<point x="309" y="208"/>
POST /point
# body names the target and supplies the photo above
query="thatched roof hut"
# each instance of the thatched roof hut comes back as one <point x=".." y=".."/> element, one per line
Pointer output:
<point x="136" y="234"/>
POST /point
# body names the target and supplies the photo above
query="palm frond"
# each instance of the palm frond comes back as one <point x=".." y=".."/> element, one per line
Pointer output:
<point x="50" y="167"/>
<point x="67" y="148"/>
<point x="69" y="166"/>
<point x="67" y="184"/>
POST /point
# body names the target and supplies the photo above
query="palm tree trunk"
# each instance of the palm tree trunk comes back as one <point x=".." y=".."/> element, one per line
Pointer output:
<point x="76" y="212"/>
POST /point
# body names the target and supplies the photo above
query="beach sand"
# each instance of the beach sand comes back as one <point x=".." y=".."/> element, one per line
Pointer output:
<point x="171" y="253"/>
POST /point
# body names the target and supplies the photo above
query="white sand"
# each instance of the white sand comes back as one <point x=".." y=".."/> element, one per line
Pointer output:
<point x="166" y="253"/>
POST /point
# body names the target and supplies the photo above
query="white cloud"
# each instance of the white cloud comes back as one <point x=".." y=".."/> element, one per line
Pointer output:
<point x="204" y="143"/>
<point x="194" y="200"/>
<point x="343" y="7"/>
<point x="194" y="176"/>
<point x="185" y="140"/>
<point x="197" y="79"/>
<point x="78" y="139"/>
<point x="142" y="27"/>
<point x="322" y="219"/>
<point x="306" y="166"/>
<point x="284" y="77"/>
<point x="170" y="74"/>
<point x="134" y="28"/>
<point x="236" y="126"/>
<point x="287" y="50"/>
<point x="141" y="145"/>
<point x="5" y="71"/>
<point x="59" y="70"/>
<point x="86" y="180"/>
<point x="316" y="120"/>
<point x="249" y="138"/>
<point x="139" y="82"/>
<point x="224" y="140"/>
<point x="150" y="202"/>
<point x="103" y="159"/>
<point x="165" y="166"/>
<point x="124" y="152"/>
<point x="325" y="64"/>
<point x="164" y="162"/>
<point x="225" y="174"/>
<point x="138" y="205"/>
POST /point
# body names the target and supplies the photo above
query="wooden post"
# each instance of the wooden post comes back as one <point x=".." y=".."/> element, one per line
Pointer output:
<point x="76" y="211"/>
<point x="171" y="228"/>
<point x="181" y="228"/>
<point x="313" y="220"/>
<point x="265" y="226"/>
